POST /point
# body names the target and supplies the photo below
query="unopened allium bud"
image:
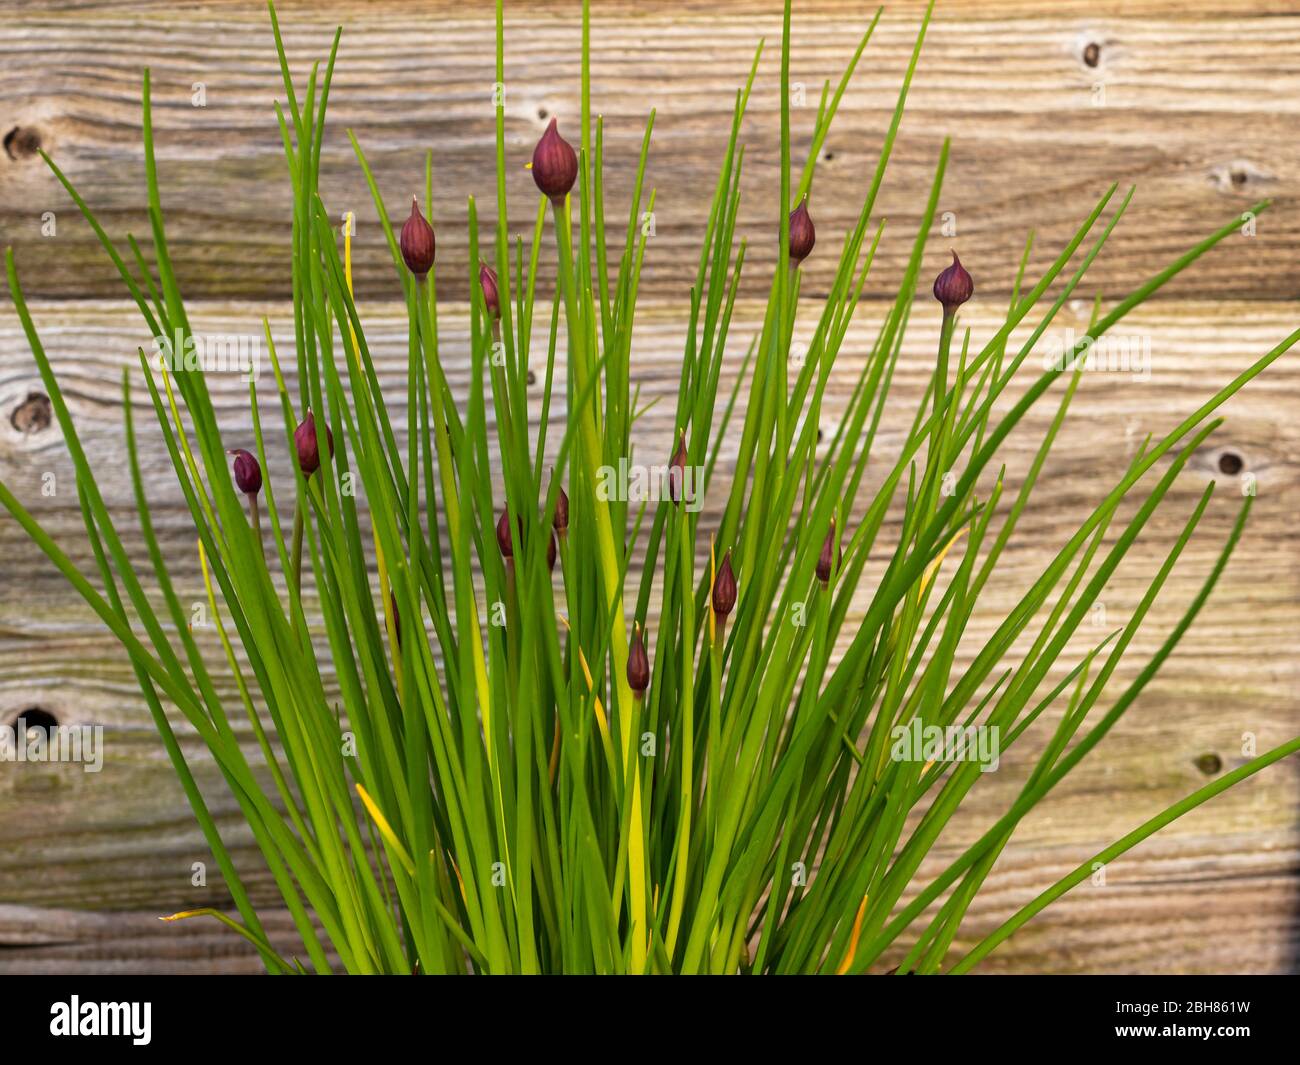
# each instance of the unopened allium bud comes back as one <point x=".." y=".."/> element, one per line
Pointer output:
<point x="829" y="552"/>
<point x="555" y="164"/>
<point x="561" y="521"/>
<point x="248" y="474"/>
<point x="417" y="242"/>
<point x="803" y="234"/>
<point x="503" y="536"/>
<point x="304" y="439"/>
<point x="677" y="469"/>
<point x="638" y="664"/>
<point x="487" y="280"/>
<point x="953" y="286"/>
<point x="550" y="552"/>
<point x="724" y="589"/>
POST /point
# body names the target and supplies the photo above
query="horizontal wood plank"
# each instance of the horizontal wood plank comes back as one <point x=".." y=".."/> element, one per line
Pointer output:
<point x="1194" y="102"/>
<point x="1217" y="892"/>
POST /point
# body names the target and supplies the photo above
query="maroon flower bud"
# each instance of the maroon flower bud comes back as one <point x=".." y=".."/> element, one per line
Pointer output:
<point x="953" y="286"/>
<point x="803" y="235"/>
<point x="417" y="242"/>
<point x="828" y="552"/>
<point x="550" y="552"/>
<point x="561" y="521"/>
<point x="724" y="589"/>
<point x="555" y="165"/>
<point x="487" y="280"/>
<point x="503" y="536"/>
<point x="638" y="664"/>
<point x="677" y="469"/>
<point x="248" y="474"/>
<point x="304" y="438"/>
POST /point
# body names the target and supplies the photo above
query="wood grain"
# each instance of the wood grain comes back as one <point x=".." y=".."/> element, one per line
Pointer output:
<point x="1218" y="892"/>
<point x="1198" y="108"/>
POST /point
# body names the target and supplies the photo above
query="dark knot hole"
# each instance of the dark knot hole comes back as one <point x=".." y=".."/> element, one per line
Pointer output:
<point x="1231" y="464"/>
<point x="22" y="142"/>
<point x="35" y="717"/>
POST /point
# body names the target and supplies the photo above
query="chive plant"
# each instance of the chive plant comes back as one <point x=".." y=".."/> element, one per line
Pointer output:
<point x="497" y="750"/>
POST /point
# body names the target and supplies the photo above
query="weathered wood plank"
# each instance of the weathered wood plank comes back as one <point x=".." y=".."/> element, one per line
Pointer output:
<point x="1193" y="905"/>
<point x="1218" y="892"/>
<point x="1199" y="107"/>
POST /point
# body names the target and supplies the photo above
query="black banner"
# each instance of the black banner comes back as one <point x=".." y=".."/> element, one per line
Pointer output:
<point x="776" y="1015"/>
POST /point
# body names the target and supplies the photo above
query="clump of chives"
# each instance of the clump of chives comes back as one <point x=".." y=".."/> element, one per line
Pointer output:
<point x="678" y="906"/>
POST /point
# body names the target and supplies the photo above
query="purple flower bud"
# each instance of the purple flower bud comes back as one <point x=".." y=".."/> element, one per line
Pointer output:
<point x="803" y="234"/>
<point x="724" y="589"/>
<point x="417" y="242"/>
<point x="304" y="439"/>
<point x="555" y="165"/>
<point x="503" y="536"/>
<point x="829" y="552"/>
<point x="953" y="286"/>
<point x="638" y="664"/>
<point x="397" y="618"/>
<point x="248" y="474"/>
<point x="561" y="521"/>
<point x="487" y="279"/>
<point x="677" y="469"/>
<point x="550" y="552"/>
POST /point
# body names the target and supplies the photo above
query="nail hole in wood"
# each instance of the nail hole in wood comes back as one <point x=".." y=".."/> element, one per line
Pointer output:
<point x="1209" y="763"/>
<point x="1092" y="54"/>
<point x="532" y="377"/>
<point x="32" y="414"/>
<point x="35" y="717"/>
<point x="829" y="156"/>
<point x="1231" y="464"/>
<point x="1238" y="177"/>
<point x="22" y="142"/>
<point x="543" y="114"/>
